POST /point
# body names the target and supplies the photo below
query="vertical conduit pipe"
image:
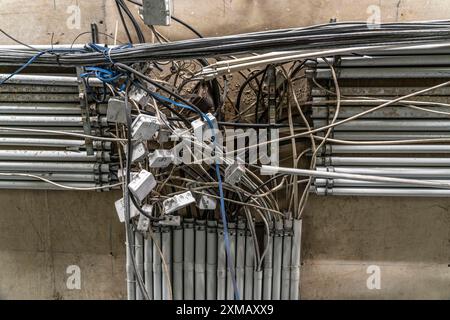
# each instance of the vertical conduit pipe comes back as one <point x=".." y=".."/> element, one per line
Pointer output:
<point x="188" y="259"/>
<point x="139" y="257"/>
<point x="295" y="259"/>
<point x="131" y="281"/>
<point x="232" y="235"/>
<point x="211" y="260"/>
<point x="221" y="264"/>
<point x="157" y="264"/>
<point x="277" y="257"/>
<point x="240" y="255"/>
<point x="268" y="261"/>
<point x="200" y="259"/>
<point x="257" y="285"/>
<point x="286" y="264"/>
<point x="148" y="265"/>
<point x="166" y="236"/>
<point x="249" y="266"/>
<point x="178" y="263"/>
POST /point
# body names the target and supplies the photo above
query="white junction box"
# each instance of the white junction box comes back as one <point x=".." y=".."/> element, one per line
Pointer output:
<point x="144" y="127"/>
<point x="139" y="152"/>
<point x="234" y="173"/>
<point x="142" y="184"/>
<point x="205" y="202"/>
<point x="202" y="130"/>
<point x="178" y="202"/>
<point x="144" y="222"/>
<point x="116" y="111"/>
<point x="120" y="208"/>
<point x="160" y="158"/>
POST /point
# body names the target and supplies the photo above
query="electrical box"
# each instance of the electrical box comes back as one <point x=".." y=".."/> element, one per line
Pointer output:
<point x="157" y="12"/>
<point x="144" y="127"/>
<point x="142" y="184"/>
<point x="234" y="173"/>
<point x="139" y="152"/>
<point x="178" y="202"/>
<point x="116" y="111"/>
<point x="160" y="158"/>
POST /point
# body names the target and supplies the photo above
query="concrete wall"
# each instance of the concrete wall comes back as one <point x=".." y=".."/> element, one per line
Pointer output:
<point x="43" y="232"/>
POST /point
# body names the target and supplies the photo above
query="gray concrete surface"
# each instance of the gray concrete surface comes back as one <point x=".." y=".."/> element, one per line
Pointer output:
<point x="42" y="233"/>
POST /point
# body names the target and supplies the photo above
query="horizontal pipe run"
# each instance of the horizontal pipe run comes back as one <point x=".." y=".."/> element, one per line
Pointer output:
<point x="416" y="172"/>
<point x="333" y="175"/>
<point x="404" y="148"/>
<point x="388" y="61"/>
<point x="39" y="155"/>
<point x="42" y="89"/>
<point x="12" y="132"/>
<point x="383" y="192"/>
<point x="19" y="166"/>
<point x="43" y="120"/>
<point x="388" y="125"/>
<point x="40" y="97"/>
<point x="383" y="161"/>
<point x="388" y="113"/>
<point x="36" y="79"/>
<point x="40" y="185"/>
<point x="382" y="73"/>
<point x="379" y="91"/>
<point x="387" y="135"/>
<point x="57" y="143"/>
<point x="40" y="108"/>
<point x="72" y="177"/>
<point x="331" y="183"/>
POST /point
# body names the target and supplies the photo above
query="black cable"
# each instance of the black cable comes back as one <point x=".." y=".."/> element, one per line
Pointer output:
<point x="198" y="34"/>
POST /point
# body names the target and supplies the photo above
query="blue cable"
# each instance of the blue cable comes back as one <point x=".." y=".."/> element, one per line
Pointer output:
<point x="221" y="194"/>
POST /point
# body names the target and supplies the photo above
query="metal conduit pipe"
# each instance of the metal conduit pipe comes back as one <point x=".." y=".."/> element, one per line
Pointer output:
<point x="240" y="255"/>
<point x="43" y="89"/>
<point x="389" y="125"/>
<point x="404" y="148"/>
<point x="267" y="268"/>
<point x="249" y="266"/>
<point x="379" y="91"/>
<point x="257" y="284"/>
<point x="60" y="80"/>
<point x="416" y="172"/>
<point x="382" y="73"/>
<point x="139" y="258"/>
<point x="389" y="61"/>
<point x="200" y="260"/>
<point x="286" y="260"/>
<point x="46" y="155"/>
<point x="383" y="161"/>
<point x="277" y="260"/>
<point x="148" y="265"/>
<point x="221" y="264"/>
<point x="295" y="259"/>
<point x="57" y="143"/>
<point x="22" y="120"/>
<point x="73" y="177"/>
<point x="387" y="135"/>
<point x="232" y="237"/>
<point x="40" y="98"/>
<point x="178" y="263"/>
<point x="11" y="132"/>
<point x="211" y="260"/>
<point x="397" y="113"/>
<point x="166" y="248"/>
<point x="131" y="280"/>
<point x="39" y="108"/>
<point x="188" y="259"/>
<point x="331" y="183"/>
<point x="41" y="185"/>
<point x="157" y="273"/>
<point x="383" y="192"/>
<point x="79" y="167"/>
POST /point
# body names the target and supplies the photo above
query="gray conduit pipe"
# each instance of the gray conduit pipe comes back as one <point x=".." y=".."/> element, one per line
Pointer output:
<point x="267" y="268"/>
<point x="295" y="259"/>
<point x="211" y="260"/>
<point x="232" y="236"/>
<point x="131" y="281"/>
<point x="249" y="265"/>
<point x="200" y="259"/>
<point x="166" y="248"/>
<point x="139" y="257"/>
<point x="148" y="265"/>
<point x="189" y="259"/>
<point x="157" y="292"/>
<point x="178" y="263"/>
<point x="257" y="284"/>
<point x="286" y="262"/>
<point x="240" y="256"/>
<point x="277" y="259"/>
<point x="221" y="264"/>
